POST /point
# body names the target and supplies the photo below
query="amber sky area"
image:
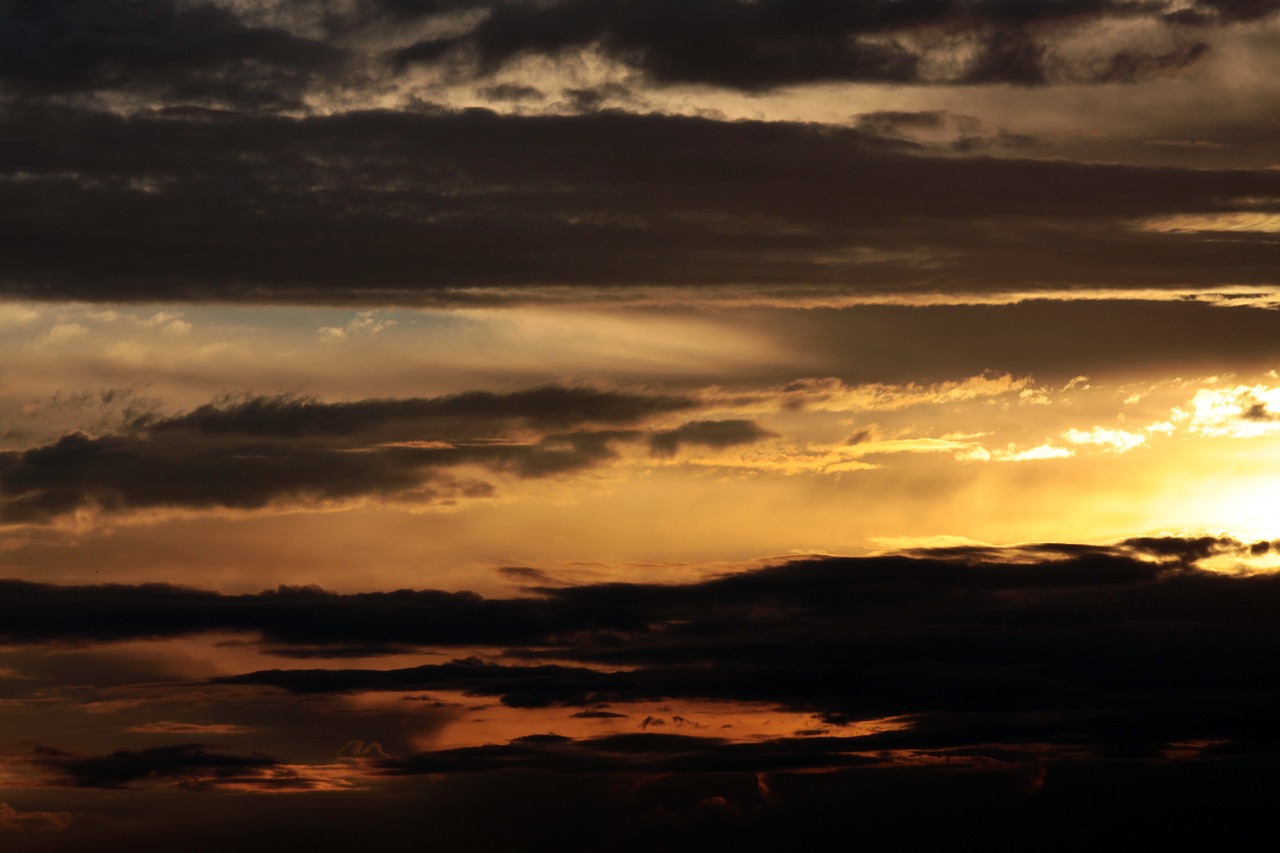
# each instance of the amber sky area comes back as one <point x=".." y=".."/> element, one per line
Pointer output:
<point x="635" y="425"/>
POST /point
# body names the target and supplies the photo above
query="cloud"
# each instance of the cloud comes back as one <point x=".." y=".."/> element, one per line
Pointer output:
<point x="1188" y="551"/>
<point x="169" y="727"/>
<point x="645" y="753"/>
<point x="472" y="414"/>
<point x="1112" y="440"/>
<point x="1207" y="11"/>
<point x="765" y="45"/>
<point x="385" y="207"/>
<point x="1095" y="650"/>
<point x="1009" y="688"/>
<point x="1241" y="411"/>
<point x="119" y="473"/>
<point x="939" y="129"/>
<point x="201" y="52"/>
<point x="973" y="648"/>
<point x="189" y="764"/>
<point x="829" y="394"/>
<point x="512" y="92"/>
<point x="249" y="453"/>
<point x="12" y="820"/>
<point x="714" y="434"/>
<point x="364" y="323"/>
<point x="64" y="332"/>
<point x="273" y="56"/>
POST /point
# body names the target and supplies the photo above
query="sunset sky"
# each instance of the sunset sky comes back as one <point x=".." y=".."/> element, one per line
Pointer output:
<point x="638" y="424"/>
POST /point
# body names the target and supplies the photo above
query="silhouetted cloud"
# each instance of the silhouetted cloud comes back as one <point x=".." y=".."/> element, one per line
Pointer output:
<point x="1083" y="648"/>
<point x="473" y="414"/>
<point x="1113" y="651"/>
<point x="714" y="434"/>
<point x="642" y="752"/>
<point x="248" y="453"/>
<point x="192" y="764"/>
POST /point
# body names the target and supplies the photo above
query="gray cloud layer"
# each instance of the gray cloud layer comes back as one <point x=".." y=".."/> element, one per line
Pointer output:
<point x="163" y="150"/>
<point x="401" y="207"/>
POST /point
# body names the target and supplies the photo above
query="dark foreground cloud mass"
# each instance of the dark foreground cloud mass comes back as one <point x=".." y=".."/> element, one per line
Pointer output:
<point x="1057" y="649"/>
<point x="1043" y="697"/>
<point x="1095" y="805"/>
<point x="183" y="762"/>
<point x="1076" y="648"/>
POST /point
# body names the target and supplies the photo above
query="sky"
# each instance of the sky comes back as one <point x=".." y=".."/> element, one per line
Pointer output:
<point x="638" y="425"/>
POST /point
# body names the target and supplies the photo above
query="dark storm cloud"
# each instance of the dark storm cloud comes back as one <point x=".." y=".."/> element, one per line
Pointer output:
<point x="188" y="52"/>
<point x="651" y="753"/>
<point x="191" y="763"/>
<point x="1116" y="651"/>
<point x="121" y="473"/>
<point x="383" y="206"/>
<point x="1052" y="695"/>
<point x="1080" y="648"/>
<point x="472" y="414"/>
<point x="757" y="46"/>
<point x="117" y="473"/>
<point x="716" y="434"/>
<point x="207" y="53"/>
<point x="246" y="453"/>
<point x="288" y="615"/>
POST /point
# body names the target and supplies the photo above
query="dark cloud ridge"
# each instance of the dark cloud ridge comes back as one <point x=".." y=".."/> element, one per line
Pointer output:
<point x="1120" y="650"/>
<point x="192" y="764"/>
<point x="714" y="434"/>
<point x="250" y="452"/>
